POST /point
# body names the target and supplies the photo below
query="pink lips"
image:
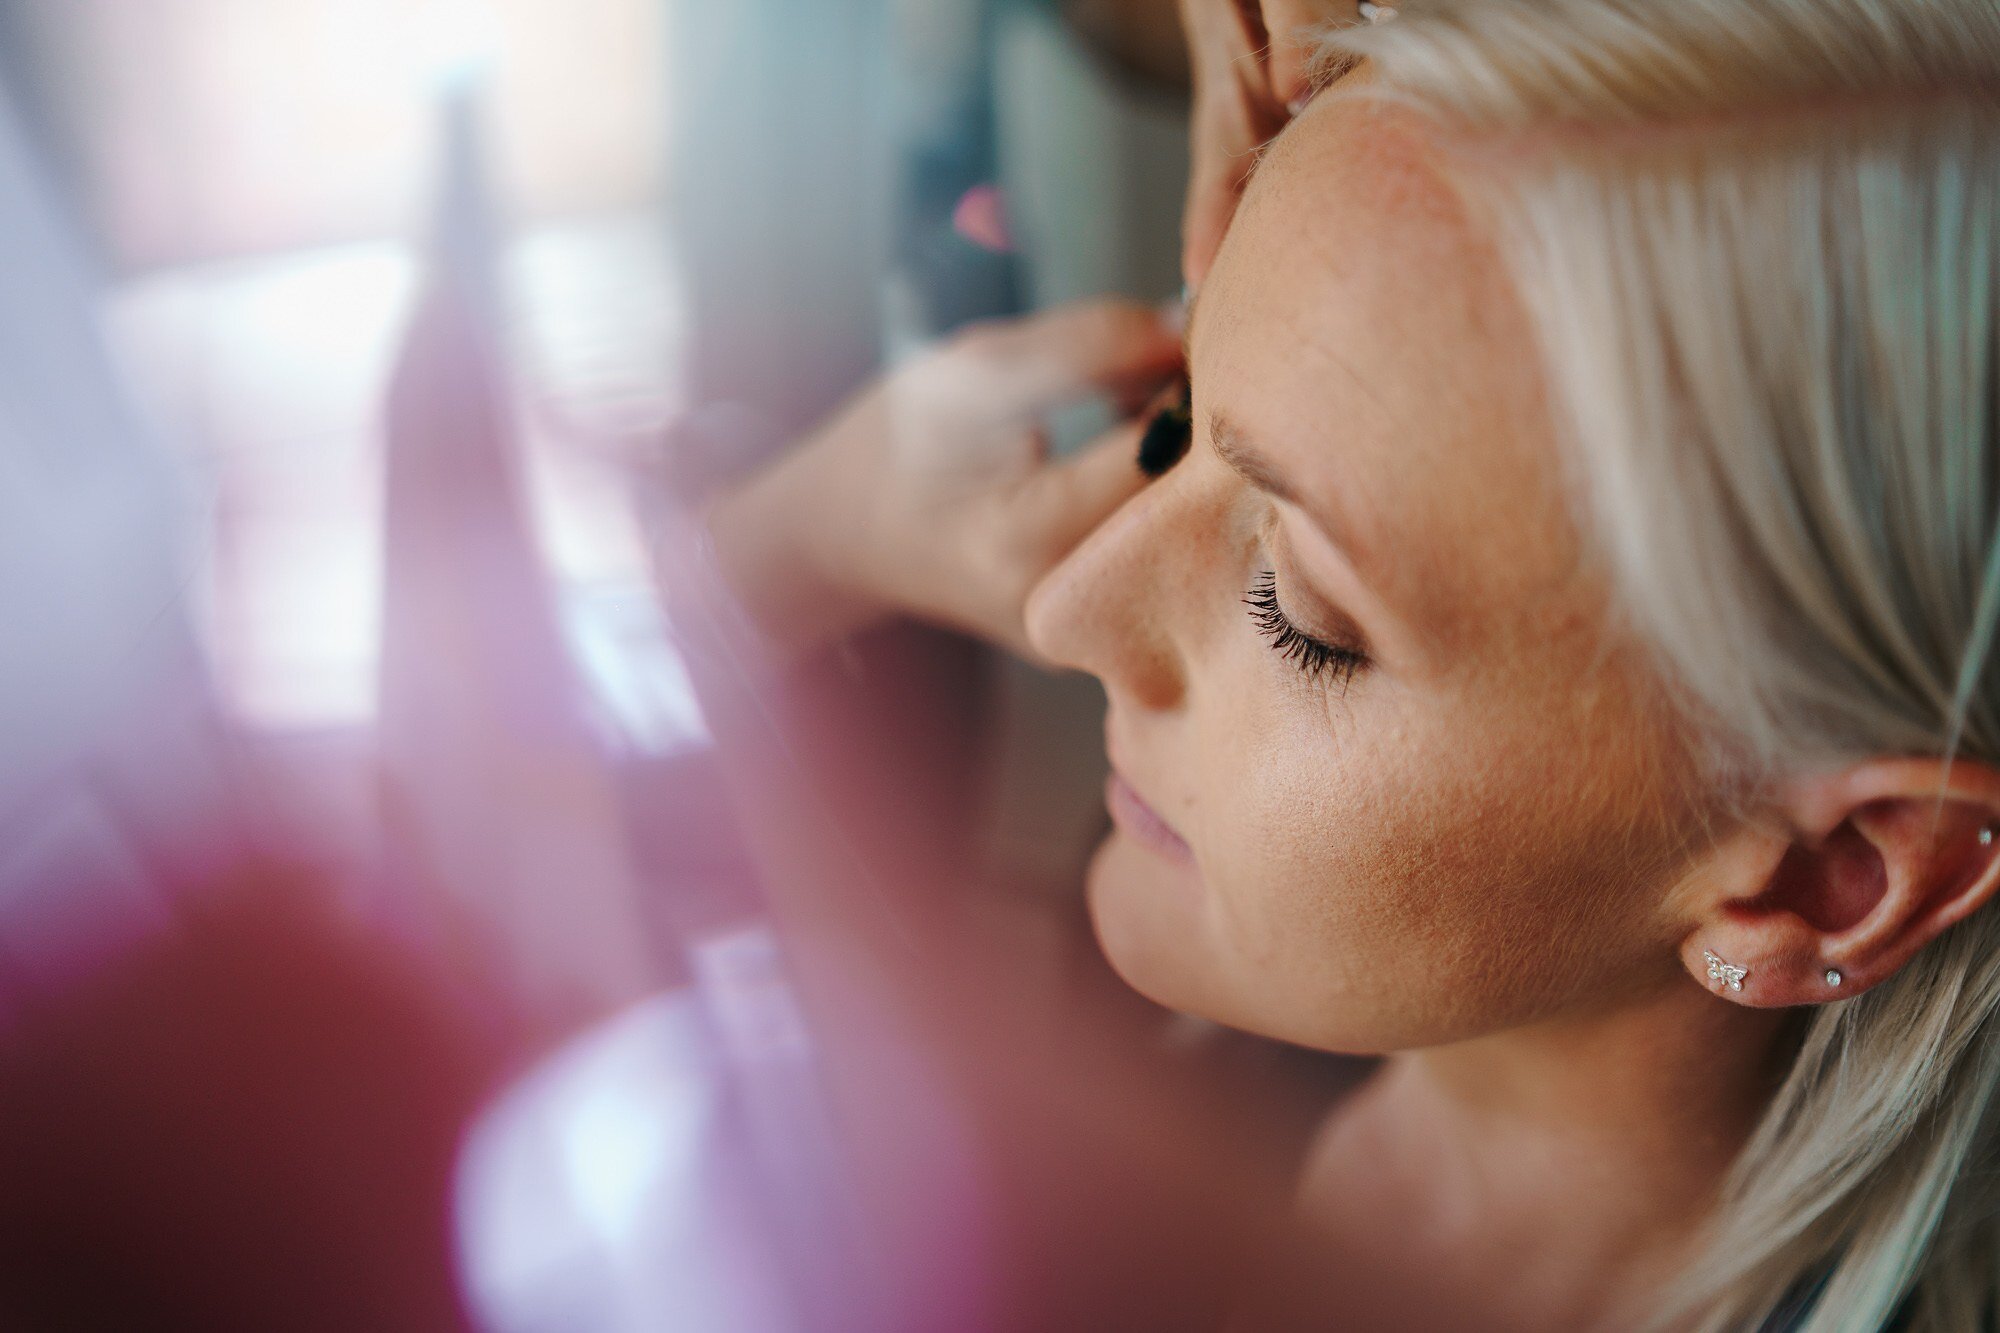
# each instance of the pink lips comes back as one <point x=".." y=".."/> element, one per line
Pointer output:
<point x="1131" y="813"/>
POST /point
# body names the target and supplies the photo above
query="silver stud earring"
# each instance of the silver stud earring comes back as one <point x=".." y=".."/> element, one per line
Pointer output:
<point x="1985" y="835"/>
<point x="1833" y="976"/>
<point x="1374" y="13"/>
<point x="1725" y="973"/>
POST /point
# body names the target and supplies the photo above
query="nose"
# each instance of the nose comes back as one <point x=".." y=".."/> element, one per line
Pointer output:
<point x="1119" y="606"/>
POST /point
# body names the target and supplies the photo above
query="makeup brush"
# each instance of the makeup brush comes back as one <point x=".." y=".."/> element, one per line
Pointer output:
<point x="1168" y="434"/>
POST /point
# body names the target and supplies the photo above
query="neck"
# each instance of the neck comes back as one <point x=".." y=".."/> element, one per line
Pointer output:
<point x="1602" y="1138"/>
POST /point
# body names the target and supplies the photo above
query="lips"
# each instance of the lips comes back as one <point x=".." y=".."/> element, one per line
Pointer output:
<point x="1142" y="822"/>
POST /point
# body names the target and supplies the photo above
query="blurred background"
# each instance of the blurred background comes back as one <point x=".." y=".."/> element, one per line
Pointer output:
<point x="373" y="923"/>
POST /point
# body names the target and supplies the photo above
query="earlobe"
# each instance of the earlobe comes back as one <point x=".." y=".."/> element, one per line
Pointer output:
<point x="1878" y="861"/>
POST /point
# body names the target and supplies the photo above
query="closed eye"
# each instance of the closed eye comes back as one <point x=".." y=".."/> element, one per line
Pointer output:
<point x="1316" y="658"/>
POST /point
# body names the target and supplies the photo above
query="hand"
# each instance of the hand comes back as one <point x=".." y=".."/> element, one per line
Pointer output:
<point x="932" y="494"/>
<point x="1249" y="60"/>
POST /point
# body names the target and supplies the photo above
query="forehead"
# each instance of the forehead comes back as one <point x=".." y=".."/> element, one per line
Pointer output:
<point x="1359" y="327"/>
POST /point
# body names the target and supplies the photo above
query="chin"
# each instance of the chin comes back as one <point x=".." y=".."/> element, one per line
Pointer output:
<point x="1149" y="926"/>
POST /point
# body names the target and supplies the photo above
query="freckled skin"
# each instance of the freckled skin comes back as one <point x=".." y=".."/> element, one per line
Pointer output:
<point x="1480" y="831"/>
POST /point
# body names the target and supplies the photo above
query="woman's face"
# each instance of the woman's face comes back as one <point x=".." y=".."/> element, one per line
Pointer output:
<point x="1477" y="826"/>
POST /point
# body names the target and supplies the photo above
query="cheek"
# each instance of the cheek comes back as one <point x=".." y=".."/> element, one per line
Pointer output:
<point x="1350" y="904"/>
<point x="1388" y="872"/>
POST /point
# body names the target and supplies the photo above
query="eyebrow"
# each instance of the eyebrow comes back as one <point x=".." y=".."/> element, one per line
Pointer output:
<point x="1231" y="446"/>
<point x="1242" y="458"/>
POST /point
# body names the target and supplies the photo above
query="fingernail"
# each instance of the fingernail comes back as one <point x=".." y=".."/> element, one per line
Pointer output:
<point x="1173" y="312"/>
<point x="1298" y="103"/>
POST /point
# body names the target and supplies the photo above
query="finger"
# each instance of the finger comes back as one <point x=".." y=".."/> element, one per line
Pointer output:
<point x="1224" y="153"/>
<point x="1295" y="27"/>
<point x="1225" y="41"/>
<point x="1023" y="367"/>
<point x="1215" y="187"/>
<point x="1234" y="113"/>
<point x="1047" y="519"/>
<point x="1079" y="494"/>
<point x="1221" y="35"/>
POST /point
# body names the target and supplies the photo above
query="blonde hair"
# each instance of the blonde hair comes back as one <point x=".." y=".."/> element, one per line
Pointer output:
<point x="1758" y="242"/>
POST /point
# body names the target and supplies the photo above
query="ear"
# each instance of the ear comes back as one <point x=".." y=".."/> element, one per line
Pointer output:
<point x="1864" y="866"/>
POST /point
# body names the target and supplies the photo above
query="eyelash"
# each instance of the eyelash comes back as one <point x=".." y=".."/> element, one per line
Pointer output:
<point x="1310" y="655"/>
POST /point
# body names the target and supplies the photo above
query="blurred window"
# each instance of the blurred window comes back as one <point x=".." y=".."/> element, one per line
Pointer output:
<point x="256" y="175"/>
